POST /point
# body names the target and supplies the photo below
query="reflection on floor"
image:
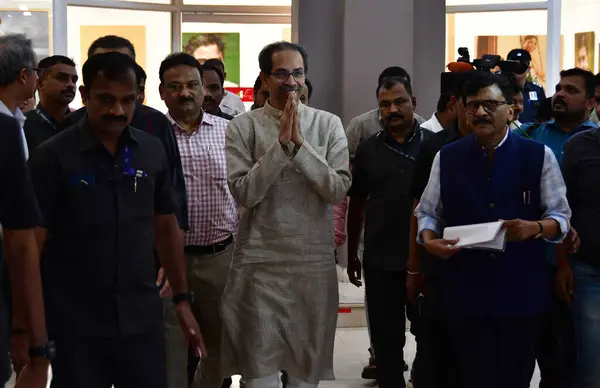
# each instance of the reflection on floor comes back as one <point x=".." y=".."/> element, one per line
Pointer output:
<point x="351" y="356"/>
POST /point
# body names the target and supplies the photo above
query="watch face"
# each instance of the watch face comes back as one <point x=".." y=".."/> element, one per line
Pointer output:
<point x="51" y="350"/>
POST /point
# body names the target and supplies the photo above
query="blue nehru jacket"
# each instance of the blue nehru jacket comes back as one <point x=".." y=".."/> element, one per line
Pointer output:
<point x="475" y="190"/>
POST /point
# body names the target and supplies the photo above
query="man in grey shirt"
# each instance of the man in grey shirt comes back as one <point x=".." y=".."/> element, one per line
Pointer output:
<point x="367" y="124"/>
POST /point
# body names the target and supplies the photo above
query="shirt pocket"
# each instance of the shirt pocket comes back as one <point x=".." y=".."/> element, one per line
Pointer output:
<point x="137" y="195"/>
<point x="217" y="163"/>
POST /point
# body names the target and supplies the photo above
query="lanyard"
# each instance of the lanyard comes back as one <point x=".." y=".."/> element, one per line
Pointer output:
<point x="397" y="151"/>
<point x="46" y="119"/>
<point x="127" y="169"/>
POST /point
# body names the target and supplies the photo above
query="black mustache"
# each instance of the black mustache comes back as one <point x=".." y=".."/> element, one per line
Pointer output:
<point x="561" y="102"/>
<point x="289" y="89"/>
<point x="183" y="100"/>
<point x="115" y="118"/>
<point x="395" y="116"/>
<point x="481" y="121"/>
<point x="68" y="91"/>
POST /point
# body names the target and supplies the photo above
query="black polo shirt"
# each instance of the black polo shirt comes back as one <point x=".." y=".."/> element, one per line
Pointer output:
<point x="98" y="266"/>
<point x="429" y="149"/>
<point x="224" y="115"/>
<point x="581" y="172"/>
<point x="152" y="121"/>
<point x="382" y="173"/>
<point x="425" y="159"/>
<point x="39" y="127"/>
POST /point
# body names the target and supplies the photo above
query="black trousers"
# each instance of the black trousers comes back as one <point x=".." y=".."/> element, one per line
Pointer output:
<point x="136" y="361"/>
<point x="386" y="298"/>
<point x="555" y="350"/>
<point x="433" y="367"/>
<point x="493" y="352"/>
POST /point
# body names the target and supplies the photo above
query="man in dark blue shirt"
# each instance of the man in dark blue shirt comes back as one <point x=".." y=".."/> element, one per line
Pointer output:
<point x="533" y="94"/>
<point x="148" y="120"/>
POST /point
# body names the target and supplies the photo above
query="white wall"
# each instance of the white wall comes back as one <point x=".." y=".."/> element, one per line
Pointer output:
<point x="253" y="37"/>
<point x="158" y="40"/>
<point x="510" y="23"/>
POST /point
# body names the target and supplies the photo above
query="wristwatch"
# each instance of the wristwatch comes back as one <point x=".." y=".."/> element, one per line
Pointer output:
<point x="541" y="232"/>
<point x="47" y="351"/>
<point x="185" y="297"/>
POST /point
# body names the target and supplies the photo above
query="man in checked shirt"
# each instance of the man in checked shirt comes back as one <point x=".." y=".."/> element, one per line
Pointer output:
<point x="212" y="216"/>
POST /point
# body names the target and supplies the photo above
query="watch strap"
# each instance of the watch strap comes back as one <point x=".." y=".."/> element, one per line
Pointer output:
<point x="183" y="297"/>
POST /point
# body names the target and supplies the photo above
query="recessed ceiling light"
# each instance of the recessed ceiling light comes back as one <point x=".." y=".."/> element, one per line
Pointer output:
<point x="23" y="7"/>
<point x="26" y="13"/>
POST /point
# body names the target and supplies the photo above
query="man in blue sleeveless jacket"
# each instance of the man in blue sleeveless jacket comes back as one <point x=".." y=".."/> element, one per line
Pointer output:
<point x="492" y="300"/>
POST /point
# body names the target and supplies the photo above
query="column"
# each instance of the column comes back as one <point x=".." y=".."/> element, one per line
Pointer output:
<point x="429" y="53"/>
<point x="319" y="28"/>
<point x="350" y="42"/>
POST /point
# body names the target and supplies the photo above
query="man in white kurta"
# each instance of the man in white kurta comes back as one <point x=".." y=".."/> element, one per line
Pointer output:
<point x="281" y="299"/>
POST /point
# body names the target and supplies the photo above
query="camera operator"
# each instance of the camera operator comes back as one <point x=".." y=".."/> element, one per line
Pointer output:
<point x="533" y="94"/>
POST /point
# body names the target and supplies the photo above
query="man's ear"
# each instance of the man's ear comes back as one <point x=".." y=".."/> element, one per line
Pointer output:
<point x="22" y="76"/>
<point x="590" y="103"/>
<point x="84" y="94"/>
<point x="161" y="91"/>
<point x="414" y="102"/>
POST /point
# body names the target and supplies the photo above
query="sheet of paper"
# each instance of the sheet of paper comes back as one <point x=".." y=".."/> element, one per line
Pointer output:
<point x="488" y="235"/>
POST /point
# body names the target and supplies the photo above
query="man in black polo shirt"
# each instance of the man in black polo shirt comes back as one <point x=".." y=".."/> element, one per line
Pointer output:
<point x="106" y="198"/>
<point x="581" y="172"/>
<point x="431" y="365"/>
<point x="56" y="88"/>
<point x="19" y="214"/>
<point x="382" y="172"/>
<point x="145" y="119"/>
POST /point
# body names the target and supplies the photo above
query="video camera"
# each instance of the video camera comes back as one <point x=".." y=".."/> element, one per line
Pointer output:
<point x="488" y="62"/>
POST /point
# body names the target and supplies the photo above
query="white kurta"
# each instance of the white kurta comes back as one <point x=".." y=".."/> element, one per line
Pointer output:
<point x="281" y="300"/>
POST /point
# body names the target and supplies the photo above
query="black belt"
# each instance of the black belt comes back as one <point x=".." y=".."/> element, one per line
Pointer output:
<point x="206" y="249"/>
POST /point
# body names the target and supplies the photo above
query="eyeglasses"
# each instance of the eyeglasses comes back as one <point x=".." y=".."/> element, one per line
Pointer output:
<point x="283" y="75"/>
<point x="489" y="106"/>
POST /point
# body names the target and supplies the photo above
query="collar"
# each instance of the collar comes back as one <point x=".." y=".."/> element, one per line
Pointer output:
<point x="276" y="113"/>
<point x="17" y="114"/>
<point x="87" y="138"/>
<point x="587" y="124"/>
<point x="40" y="110"/>
<point x="207" y="119"/>
<point x="502" y="141"/>
<point x="407" y="138"/>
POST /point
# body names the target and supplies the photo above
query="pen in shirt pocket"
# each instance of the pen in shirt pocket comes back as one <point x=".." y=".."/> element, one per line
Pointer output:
<point x="527" y="197"/>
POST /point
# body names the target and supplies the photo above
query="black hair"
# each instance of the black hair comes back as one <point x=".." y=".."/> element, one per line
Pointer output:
<point x="216" y="69"/>
<point x="54" y="60"/>
<point x="114" y="66"/>
<point x="141" y="74"/>
<point x="389" y="82"/>
<point x="443" y="102"/>
<point x="589" y="79"/>
<point x="479" y="80"/>
<point x="178" y="59"/>
<point x="544" y="112"/>
<point x="265" y="58"/>
<point x="597" y="79"/>
<point x="111" y="42"/>
<point x="393" y="71"/>
<point x="257" y="85"/>
<point x="215" y="62"/>
<point x="309" y="87"/>
<point x="203" y="40"/>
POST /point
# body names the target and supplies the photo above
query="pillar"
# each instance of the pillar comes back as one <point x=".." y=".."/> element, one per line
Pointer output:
<point x="350" y="42"/>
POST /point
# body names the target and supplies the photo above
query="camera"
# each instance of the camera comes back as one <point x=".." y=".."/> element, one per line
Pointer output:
<point x="488" y="62"/>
